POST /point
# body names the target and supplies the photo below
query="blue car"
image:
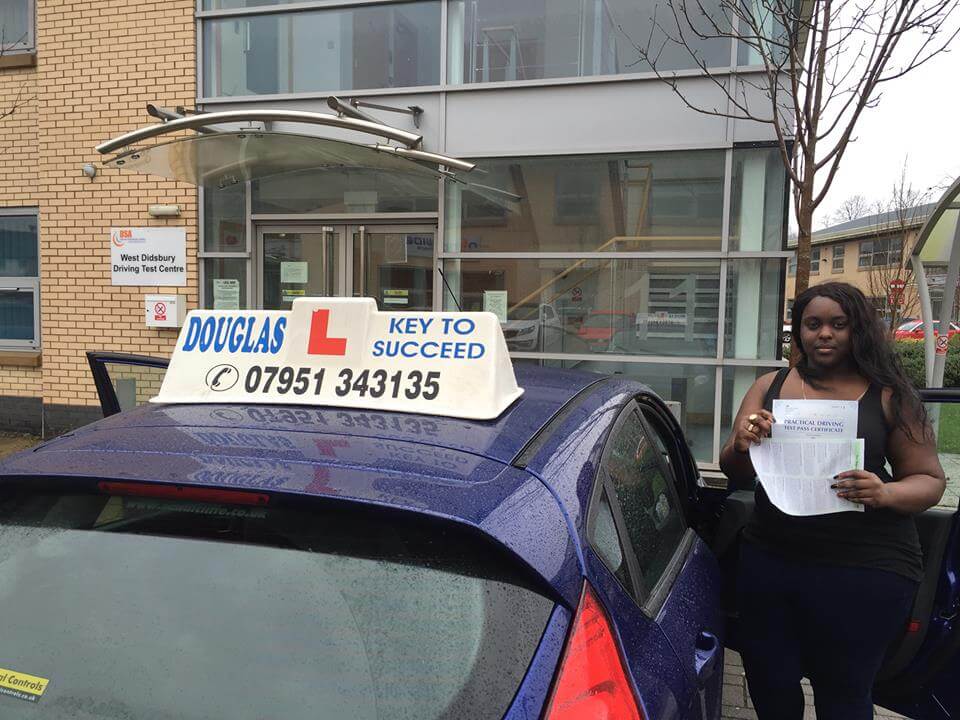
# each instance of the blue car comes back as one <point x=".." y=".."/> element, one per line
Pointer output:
<point x="563" y="560"/>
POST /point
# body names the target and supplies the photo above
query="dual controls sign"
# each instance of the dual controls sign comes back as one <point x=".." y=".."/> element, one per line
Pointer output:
<point x="344" y="352"/>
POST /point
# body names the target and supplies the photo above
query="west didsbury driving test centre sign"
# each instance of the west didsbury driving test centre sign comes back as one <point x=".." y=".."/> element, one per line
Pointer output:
<point x="148" y="256"/>
<point x="344" y="352"/>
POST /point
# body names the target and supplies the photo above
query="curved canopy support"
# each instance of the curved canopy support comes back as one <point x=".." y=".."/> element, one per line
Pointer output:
<point x="938" y="243"/>
<point x="193" y="122"/>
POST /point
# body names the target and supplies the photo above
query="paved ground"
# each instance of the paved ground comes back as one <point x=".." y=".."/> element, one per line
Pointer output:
<point x="736" y="700"/>
<point x="12" y="443"/>
<point x="951" y="466"/>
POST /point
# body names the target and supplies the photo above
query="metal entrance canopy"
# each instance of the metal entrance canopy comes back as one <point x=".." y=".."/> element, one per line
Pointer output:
<point x="218" y="158"/>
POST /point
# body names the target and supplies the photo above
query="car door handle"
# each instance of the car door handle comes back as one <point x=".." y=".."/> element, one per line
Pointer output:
<point x="707" y="652"/>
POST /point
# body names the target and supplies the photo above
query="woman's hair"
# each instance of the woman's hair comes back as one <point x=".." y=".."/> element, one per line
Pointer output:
<point x="871" y="349"/>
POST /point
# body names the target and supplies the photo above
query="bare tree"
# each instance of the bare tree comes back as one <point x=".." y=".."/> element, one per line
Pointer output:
<point x="853" y="208"/>
<point x="890" y="277"/>
<point x="8" y="106"/>
<point x="823" y="63"/>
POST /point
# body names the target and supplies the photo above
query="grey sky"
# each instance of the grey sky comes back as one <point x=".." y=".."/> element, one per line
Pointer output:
<point x="917" y="121"/>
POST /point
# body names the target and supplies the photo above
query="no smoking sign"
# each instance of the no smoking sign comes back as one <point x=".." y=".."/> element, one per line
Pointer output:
<point x="164" y="311"/>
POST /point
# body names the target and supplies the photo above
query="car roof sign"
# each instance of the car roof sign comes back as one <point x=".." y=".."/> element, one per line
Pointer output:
<point x="344" y="352"/>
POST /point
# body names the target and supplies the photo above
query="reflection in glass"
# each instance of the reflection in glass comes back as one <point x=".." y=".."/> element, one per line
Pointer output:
<point x="634" y="307"/>
<point x="16" y="315"/>
<point x="299" y="264"/>
<point x="757" y="200"/>
<point x="510" y="40"/>
<point x="19" y="251"/>
<point x="225" y="283"/>
<point x="754" y="304"/>
<point x="734" y="385"/>
<point x="689" y="390"/>
<point x="346" y="190"/>
<point x="394" y="267"/>
<point x="16" y="22"/>
<point x="372" y="46"/>
<point x="598" y="203"/>
<point x="224" y="219"/>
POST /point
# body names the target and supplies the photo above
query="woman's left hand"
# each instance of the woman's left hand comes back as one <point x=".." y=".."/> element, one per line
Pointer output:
<point x="862" y="487"/>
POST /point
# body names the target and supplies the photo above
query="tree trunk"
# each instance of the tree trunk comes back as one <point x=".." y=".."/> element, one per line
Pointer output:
<point x="804" y="221"/>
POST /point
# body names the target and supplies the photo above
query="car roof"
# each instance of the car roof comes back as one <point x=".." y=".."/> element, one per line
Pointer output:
<point x="447" y="467"/>
<point x="546" y="391"/>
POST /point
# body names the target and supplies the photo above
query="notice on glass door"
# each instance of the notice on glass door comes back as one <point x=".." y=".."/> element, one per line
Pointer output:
<point x="226" y="294"/>
<point x="495" y="301"/>
<point x="293" y="272"/>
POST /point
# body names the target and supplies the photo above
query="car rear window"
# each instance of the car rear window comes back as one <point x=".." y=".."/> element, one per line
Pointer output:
<point x="135" y="607"/>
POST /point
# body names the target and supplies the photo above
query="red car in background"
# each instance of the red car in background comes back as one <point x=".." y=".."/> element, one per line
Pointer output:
<point x="913" y="330"/>
<point x="600" y="326"/>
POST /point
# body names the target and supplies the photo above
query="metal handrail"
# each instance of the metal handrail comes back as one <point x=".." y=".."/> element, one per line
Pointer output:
<point x="192" y="122"/>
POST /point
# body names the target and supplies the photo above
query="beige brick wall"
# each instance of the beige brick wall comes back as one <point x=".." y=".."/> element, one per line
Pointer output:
<point x="99" y="64"/>
<point x="860" y="277"/>
<point x="18" y="184"/>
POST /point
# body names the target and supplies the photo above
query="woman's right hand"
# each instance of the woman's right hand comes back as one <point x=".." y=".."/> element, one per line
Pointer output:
<point x="751" y="429"/>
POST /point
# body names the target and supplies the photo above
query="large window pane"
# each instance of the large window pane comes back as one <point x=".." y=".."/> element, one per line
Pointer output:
<point x="19" y="252"/>
<point x="236" y="4"/>
<point x="605" y="203"/>
<point x="689" y="389"/>
<point x="754" y="300"/>
<point x="224" y="219"/>
<point x="225" y="283"/>
<point x="346" y="191"/>
<point x="633" y="307"/>
<point x="16" y="24"/>
<point x="734" y="385"/>
<point x="757" y="200"/>
<point x="507" y="40"/>
<point x="16" y="315"/>
<point x="371" y="46"/>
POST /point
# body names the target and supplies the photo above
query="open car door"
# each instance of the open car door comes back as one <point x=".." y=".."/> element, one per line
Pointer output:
<point x="921" y="676"/>
<point x="125" y="381"/>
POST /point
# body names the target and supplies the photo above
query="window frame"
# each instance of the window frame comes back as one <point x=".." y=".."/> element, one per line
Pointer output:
<point x="29" y="44"/>
<point x="205" y="19"/>
<point x="649" y="599"/>
<point x="839" y="253"/>
<point x="24" y="284"/>
<point x="816" y="257"/>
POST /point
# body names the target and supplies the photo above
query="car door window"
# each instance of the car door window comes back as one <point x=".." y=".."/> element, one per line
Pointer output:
<point x="605" y="540"/>
<point x="124" y="382"/>
<point x="644" y="492"/>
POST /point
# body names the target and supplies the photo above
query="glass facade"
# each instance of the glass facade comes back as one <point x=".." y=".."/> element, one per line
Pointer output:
<point x="344" y="191"/>
<point x="665" y="265"/>
<point x="670" y="201"/>
<point x="261" y="47"/>
<point x="606" y="263"/>
<point x="352" y="48"/>
<point x="509" y="40"/>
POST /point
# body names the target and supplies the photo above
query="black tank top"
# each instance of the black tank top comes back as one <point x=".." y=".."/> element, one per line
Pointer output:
<point x="881" y="539"/>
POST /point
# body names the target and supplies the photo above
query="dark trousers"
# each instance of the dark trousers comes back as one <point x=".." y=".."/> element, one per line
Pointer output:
<point x="831" y="624"/>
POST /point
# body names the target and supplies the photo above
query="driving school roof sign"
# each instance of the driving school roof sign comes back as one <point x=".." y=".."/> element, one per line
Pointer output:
<point x="344" y="352"/>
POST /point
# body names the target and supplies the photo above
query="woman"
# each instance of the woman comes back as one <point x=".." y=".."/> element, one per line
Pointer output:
<point x="823" y="596"/>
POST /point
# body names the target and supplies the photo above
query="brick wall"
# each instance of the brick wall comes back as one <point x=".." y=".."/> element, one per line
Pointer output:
<point x="18" y="188"/>
<point x="99" y="64"/>
<point x="869" y="280"/>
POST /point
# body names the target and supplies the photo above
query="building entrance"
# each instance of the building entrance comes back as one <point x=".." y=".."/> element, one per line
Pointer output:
<point x="391" y="263"/>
